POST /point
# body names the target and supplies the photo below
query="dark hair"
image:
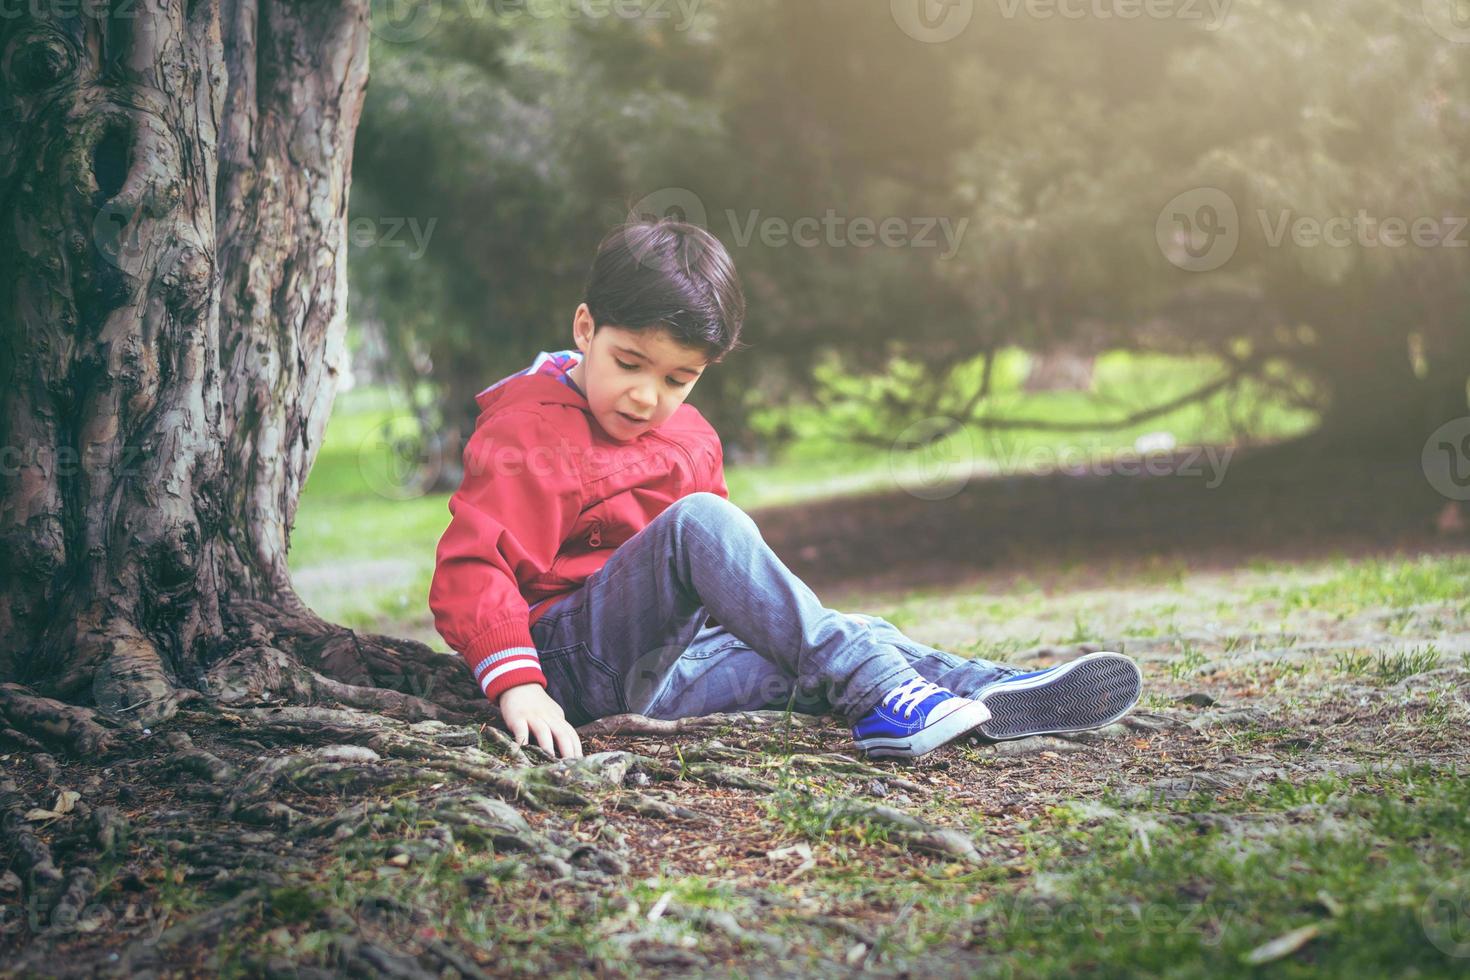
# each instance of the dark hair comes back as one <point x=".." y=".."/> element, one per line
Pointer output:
<point x="668" y="274"/>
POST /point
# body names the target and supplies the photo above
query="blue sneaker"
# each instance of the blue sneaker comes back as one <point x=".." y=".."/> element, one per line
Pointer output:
<point x="1089" y="692"/>
<point x="914" y="718"/>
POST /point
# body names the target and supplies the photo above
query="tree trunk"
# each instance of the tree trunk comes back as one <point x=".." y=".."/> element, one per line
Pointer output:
<point x="173" y="201"/>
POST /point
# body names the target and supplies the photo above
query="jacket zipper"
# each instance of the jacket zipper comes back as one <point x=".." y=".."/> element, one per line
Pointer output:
<point x="594" y="537"/>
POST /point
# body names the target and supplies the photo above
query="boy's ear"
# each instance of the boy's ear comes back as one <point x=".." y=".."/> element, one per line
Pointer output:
<point x="582" y="327"/>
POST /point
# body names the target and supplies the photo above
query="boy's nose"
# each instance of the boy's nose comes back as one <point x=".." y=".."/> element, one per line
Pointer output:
<point x="643" y="401"/>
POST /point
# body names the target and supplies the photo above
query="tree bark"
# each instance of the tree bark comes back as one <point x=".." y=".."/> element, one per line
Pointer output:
<point x="173" y="202"/>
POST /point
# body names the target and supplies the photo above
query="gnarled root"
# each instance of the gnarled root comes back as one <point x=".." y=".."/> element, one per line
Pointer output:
<point x="362" y="661"/>
<point x="263" y="674"/>
<point x="30" y="716"/>
<point x="755" y="721"/>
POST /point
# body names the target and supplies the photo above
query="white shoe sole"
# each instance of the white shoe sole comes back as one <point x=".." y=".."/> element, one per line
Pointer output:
<point x="947" y="729"/>
<point x="1089" y="692"/>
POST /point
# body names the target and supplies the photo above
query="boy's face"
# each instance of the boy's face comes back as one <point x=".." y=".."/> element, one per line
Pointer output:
<point x="634" y="380"/>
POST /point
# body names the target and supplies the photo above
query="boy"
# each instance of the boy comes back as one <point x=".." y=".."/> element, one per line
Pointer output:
<point x="594" y="564"/>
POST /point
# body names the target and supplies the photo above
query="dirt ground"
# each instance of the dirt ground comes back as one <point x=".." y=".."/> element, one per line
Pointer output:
<point x="1289" y="636"/>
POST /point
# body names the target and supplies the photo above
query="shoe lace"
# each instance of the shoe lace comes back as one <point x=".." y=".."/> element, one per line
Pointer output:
<point x="905" y="697"/>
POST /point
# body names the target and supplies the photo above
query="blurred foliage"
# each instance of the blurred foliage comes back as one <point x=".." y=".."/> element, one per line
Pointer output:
<point x="1050" y="146"/>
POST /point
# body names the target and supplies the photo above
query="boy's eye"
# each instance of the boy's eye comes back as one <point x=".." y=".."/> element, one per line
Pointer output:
<point x="634" y="367"/>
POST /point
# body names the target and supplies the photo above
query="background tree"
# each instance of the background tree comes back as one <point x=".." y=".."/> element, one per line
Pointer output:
<point x="1058" y="141"/>
<point x="172" y="279"/>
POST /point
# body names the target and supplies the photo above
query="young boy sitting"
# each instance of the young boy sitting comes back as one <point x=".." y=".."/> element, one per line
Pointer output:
<point x="594" y="564"/>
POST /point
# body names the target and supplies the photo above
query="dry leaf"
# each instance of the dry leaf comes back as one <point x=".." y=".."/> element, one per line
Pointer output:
<point x="1282" y="946"/>
<point x="801" y="851"/>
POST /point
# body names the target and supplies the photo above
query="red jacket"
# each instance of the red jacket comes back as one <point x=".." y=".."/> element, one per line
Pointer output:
<point x="547" y="496"/>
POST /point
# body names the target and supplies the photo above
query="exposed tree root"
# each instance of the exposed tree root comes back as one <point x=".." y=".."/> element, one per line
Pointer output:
<point x="30" y="717"/>
<point x="262" y="797"/>
<point x="907" y="829"/>
<point x="761" y="721"/>
<point x="367" y="663"/>
<point x="32" y="855"/>
<point x="265" y="674"/>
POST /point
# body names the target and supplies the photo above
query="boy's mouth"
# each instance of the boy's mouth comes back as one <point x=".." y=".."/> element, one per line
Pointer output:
<point x="632" y="419"/>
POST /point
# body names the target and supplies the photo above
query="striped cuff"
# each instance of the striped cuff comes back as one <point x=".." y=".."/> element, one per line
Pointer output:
<point x="502" y="658"/>
<point x="508" y="668"/>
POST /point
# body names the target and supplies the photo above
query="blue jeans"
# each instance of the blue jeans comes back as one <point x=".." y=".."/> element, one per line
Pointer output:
<point x="635" y="636"/>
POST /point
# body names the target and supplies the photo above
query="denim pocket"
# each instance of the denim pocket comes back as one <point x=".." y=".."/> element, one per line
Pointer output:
<point x="585" y="687"/>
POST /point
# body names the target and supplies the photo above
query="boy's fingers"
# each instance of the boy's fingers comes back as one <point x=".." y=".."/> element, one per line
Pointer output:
<point x="567" y="742"/>
<point x="543" y="735"/>
<point x="518" y="730"/>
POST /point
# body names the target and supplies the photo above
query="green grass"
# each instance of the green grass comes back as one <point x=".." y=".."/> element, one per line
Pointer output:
<point x="1387" y="582"/>
<point x="1188" y="663"/>
<point x="1137" y="893"/>
<point x="1389" y="666"/>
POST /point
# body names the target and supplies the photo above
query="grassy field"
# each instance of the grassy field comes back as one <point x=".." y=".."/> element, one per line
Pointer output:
<point x="1288" y="800"/>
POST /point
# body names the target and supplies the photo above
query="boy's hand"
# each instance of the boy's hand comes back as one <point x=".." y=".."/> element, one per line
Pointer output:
<point x="529" y="710"/>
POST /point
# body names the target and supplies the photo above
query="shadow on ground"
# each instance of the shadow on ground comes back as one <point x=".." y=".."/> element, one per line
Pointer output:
<point x="1278" y="503"/>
